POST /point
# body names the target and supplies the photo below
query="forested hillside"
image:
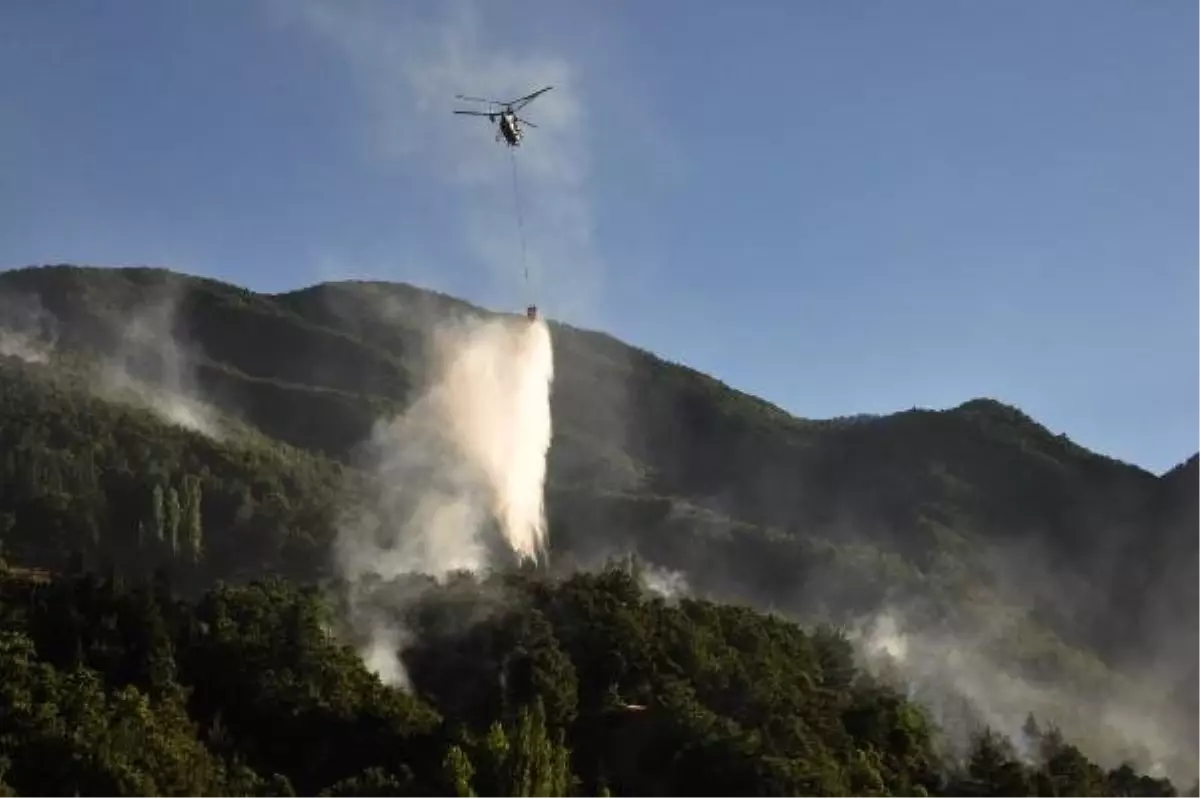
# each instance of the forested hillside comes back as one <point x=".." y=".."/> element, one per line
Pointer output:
<point x="583" y="687"/>
<point x="157" y="423"/>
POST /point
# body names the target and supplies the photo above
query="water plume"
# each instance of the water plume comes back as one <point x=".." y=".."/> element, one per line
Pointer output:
<point x="457" y="479"/>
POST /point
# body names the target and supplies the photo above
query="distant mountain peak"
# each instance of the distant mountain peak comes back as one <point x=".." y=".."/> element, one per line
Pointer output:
<point x="986" y="404"/>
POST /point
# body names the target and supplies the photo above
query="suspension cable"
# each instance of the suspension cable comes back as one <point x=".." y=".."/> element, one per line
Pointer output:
<point x="520" y="221"/>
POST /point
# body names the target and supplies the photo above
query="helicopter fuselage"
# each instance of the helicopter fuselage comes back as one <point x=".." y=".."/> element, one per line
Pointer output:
<point x="510" y="129"/>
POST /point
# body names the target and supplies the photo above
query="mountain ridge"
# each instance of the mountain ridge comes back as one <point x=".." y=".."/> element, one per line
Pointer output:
<point x="427" y="300"/>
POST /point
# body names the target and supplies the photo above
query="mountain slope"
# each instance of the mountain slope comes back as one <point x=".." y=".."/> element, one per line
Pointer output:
<point x="323" y="363"/>
<point x="957" y="516"/>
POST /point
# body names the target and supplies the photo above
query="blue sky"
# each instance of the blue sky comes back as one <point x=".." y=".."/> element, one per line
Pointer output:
<point x="842" y="207"/>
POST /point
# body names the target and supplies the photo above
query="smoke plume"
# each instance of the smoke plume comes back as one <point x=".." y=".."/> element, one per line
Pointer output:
<point x="952" y="673"/>
<point x="150" y="368"/>
<point x="457" y="479"/>
<point x="669" y="583"/>
<point x="27" y="331"/>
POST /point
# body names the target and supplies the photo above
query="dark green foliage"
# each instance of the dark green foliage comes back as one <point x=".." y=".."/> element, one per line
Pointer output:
<point x="74" y="465"/>
<point x="121" y="689"/>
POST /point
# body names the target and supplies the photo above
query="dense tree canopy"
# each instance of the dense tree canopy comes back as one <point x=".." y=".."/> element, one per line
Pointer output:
<point x="578" y="686"/>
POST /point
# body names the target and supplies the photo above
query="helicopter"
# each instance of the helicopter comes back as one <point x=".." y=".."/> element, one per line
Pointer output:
<point x="510" y="124"/>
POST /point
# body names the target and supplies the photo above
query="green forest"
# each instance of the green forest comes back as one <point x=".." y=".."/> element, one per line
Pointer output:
<point x="170" y="622"/>
<point x="584" y="686"/>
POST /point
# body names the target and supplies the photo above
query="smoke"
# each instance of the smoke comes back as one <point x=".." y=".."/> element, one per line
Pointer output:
<point x="380" y="655"/>
<point x="22" y="346"/>
<point x="955" y="675"/>
<point x="458" y="478"/>
<point x="27" y="331"/>
<point x="151" y="369"/>
<point x="147" y="368"/>
<point x="668" y="583"/>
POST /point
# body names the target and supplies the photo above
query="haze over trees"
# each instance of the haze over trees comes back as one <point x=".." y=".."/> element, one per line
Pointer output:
<point x="737" y="601"/>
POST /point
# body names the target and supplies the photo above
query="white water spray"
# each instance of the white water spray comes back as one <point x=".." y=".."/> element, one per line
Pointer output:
<point x="494" y="402"/>
<point x="459" y="474"/>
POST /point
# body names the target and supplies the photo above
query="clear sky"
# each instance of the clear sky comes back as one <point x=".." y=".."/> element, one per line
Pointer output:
<point x="843" y="207"/>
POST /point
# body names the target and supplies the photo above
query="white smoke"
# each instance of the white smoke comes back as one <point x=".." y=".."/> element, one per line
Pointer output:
<point x="148" y="342"/>
<point x="666" y="582"/>
<point x="380" y="655"/>
<point x="19" y="345"/>
<point x="459" y="475"/>
<point x="27" y="331"/>
<point x="965" y="689"/>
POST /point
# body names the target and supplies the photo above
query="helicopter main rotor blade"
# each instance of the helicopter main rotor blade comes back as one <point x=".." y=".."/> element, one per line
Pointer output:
<point x="478" y="99"/>
<point x="525" y="122"/>
<point x="476" y="113"/>
<point x="520" y="103"/>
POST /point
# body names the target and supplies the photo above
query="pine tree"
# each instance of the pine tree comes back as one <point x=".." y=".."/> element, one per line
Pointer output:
<point x="458" y="772"/>
<point x="192" y="519"/>
<point x="158" y="512"/>
<point x="174" y="515"/>
<point x="537" y="763"/>
<point x="493" y="761"/>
